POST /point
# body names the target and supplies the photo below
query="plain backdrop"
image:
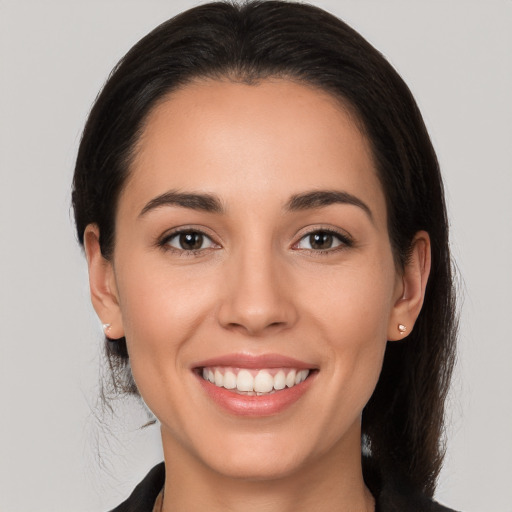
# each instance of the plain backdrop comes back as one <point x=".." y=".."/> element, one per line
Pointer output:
<point x="54" y="56"/>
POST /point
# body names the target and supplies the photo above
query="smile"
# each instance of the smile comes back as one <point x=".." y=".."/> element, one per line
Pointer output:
<point x="255" y="385"/>
<point x="254" y="382"/>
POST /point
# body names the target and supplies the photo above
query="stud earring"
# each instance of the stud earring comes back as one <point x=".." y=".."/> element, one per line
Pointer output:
<point x="402" y="328"/>
<point x="106" y="328"/>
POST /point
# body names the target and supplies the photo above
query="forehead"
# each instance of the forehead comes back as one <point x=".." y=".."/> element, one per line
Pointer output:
<point x="266" y="141"/>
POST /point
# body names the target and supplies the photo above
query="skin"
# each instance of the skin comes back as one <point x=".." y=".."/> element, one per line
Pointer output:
<point x="256" y="288"/>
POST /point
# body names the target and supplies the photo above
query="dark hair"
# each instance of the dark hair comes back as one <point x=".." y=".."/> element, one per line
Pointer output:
<point x="403" y="421"/>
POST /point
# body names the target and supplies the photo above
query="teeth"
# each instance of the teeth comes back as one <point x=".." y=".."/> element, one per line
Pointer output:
<point x="219" y="379"/>
<point x="244" y="381"/>
<point x="254" y="382"/>
<point x="290" y="379"/>
<point x="229" y="380"/>
<point x="303" y="376"/>
<point x="264" y="382"/>
<point x="280" y="380"/>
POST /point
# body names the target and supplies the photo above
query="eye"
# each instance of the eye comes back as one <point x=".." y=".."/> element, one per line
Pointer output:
<point x="189" y="241"/>
<point x="322" y="240"/>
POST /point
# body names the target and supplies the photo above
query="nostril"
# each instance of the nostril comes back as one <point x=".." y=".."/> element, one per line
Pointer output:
<point x="275" y="325"/>
<point x="255" y="329"/>
<point x="255" y="321"/>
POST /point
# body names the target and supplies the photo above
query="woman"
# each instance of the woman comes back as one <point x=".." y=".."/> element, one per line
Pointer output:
<point x="265" y="228"/>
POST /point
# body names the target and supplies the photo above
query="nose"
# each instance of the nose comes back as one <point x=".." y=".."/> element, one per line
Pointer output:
<point x="258" y="296"/>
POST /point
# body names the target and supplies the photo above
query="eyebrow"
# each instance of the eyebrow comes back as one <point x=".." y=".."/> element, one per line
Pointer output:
<point x="321" y="198"/>
<point x="212" y="204"/>
<point x="203" y="202"/>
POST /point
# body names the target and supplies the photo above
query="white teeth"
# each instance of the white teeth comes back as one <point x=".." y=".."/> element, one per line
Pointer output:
<point x="279" y="380"/>
<point x="290" y="379"/>
<point x="301" y="376"/>
<point x="219" y="379"/>
<point x="263" y="382"/>
<point x="254" y="382"/>
<point x="229" y="380"/>
<point x="244" y="381"/>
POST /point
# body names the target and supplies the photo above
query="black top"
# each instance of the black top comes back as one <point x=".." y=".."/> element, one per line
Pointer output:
<point x="387" y="499"/>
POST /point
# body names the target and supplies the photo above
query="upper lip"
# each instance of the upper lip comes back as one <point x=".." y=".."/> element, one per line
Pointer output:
<point x="245" y="360"/>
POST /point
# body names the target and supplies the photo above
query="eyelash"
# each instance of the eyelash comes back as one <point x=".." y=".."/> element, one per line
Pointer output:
<point x="344" y="239"/>
<point x="164" y="242"/>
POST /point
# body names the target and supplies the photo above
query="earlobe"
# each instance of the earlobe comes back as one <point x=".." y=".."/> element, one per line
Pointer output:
<point x="102" y="284"/>
<point x="412" y="291"/>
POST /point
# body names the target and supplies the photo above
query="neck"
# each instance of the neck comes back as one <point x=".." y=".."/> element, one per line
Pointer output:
<point x="333" y="481"/>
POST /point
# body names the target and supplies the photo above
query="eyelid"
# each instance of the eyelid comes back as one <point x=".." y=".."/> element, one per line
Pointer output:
<point x="346" y="240"/>
<point x="163" y="240"/>
<point x="343" y="236"/>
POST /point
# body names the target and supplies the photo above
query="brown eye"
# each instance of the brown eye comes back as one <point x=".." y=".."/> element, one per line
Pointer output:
<point x="322" y="240"/>
<point x="190" y="241"/>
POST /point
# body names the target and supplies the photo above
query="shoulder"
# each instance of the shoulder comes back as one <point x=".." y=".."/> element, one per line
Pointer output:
<point x="395" y="494"/>
<point x="143" y="497"/>
<point x="393" y="502"/>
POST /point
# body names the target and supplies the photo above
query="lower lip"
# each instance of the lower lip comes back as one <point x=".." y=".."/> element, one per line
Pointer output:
<point x="264" y="405"/>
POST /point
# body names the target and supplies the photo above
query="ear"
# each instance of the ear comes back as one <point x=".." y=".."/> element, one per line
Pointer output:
<point x="102" y="284"/>
<point x="410" y="288"/>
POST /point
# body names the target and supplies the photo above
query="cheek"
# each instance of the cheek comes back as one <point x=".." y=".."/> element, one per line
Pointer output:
<point x="353" y="301"/>
<point x="161" y="310"/>
<point x="351" y="314"/>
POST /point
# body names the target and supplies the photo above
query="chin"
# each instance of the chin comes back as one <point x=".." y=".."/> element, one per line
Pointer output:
<point x="258" y="457"/>
<point x="258" y="468"/>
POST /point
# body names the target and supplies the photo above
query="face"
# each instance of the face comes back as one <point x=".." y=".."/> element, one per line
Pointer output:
<point x="252" y="251"/>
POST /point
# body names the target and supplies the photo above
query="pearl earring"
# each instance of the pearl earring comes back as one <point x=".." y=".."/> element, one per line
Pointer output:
<point x="402" y="328"/>
<point x="106" y="328"/>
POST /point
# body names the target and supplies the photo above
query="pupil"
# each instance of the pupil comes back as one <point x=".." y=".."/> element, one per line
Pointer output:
<point x="321" y="240"/>
<point x="191" y="241"/>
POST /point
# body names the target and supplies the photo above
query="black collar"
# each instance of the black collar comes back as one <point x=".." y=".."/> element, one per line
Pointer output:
<point x="387" y="497"/>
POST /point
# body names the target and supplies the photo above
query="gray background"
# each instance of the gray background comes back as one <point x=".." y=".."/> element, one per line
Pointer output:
<point x="54" y="56"/>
